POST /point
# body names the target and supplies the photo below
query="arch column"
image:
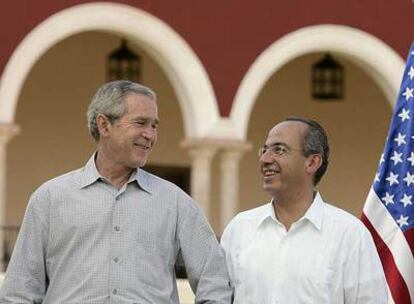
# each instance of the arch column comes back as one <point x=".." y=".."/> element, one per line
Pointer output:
<point x="230" y="157"/>
<point x="201" y="152"/>
<point x="7" y="132"/>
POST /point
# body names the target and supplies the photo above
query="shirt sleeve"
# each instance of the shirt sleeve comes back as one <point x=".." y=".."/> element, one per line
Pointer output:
<point x="364" y="279"/>
<point x="26" y="277"/>
<point x="203" y="257"/>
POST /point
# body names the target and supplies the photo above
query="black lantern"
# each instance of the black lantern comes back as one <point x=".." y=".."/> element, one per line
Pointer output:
<point x="327" y="79"/>
<point x="124" y="64"/>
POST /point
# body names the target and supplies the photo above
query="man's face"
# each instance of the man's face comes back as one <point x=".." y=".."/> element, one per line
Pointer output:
<point x="131" y="138"/>
<point x="283" y="163"/>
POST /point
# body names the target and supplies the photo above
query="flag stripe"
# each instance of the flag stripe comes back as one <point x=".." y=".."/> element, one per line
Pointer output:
<point x="409" y="236"/>
<point x="389" y="209"/>
<point x="397" y="255"/>
<point x="396" y="283"/>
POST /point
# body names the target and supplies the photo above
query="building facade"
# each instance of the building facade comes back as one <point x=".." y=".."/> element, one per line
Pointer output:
<point x="225" y="72"/>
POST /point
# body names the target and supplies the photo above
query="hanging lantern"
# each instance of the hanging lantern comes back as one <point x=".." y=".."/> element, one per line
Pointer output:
<point x="327" y="79"/>
<point x="122" y="63"/>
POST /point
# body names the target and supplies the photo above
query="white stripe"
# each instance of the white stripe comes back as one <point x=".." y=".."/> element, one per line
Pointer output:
<point x="391" y="234"/>
<point x="390" y="299"/>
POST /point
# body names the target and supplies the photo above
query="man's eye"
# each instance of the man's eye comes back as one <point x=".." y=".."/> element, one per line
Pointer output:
<point x="279" y="150"/>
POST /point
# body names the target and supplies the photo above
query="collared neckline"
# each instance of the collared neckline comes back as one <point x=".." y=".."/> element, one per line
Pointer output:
<point x="268" y="212"/>
<point x="90" y="175"/>
<point x="314" y="214"/>
<point x="142" y="179"/>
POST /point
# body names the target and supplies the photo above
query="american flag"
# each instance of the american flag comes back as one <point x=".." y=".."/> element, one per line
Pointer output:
<point x="389" y="209"/>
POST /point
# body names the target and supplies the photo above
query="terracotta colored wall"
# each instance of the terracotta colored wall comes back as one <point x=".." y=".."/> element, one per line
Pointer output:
<point x="229" y="35"/>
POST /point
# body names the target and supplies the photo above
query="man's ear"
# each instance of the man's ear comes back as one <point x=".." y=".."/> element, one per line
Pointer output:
<point x="313" y="162"/>
<point x="103" y="124"/>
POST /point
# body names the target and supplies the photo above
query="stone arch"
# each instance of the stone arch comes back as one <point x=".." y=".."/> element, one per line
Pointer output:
<point x="360" y="47"/>
<point x="181" y="65"/>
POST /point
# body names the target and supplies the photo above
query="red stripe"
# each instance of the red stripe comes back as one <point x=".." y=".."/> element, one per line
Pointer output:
<point x="396" y="283"/>
<point x="409" y="236"/>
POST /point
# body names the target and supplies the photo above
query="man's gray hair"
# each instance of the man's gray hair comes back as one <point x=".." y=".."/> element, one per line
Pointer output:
<point x="109" y="100"/>
<point x="315" y="142"/>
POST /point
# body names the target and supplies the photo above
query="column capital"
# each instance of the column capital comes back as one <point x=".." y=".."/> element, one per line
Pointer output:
<point x="234" y="151"/>
<point x="200" y="147"/>
<point x="202" y="151"/>
<point x="8" y="131"/>
<point x="215" y="144"/>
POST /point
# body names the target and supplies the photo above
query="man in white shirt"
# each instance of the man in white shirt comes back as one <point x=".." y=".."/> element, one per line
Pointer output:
<point x="297" y="248"/>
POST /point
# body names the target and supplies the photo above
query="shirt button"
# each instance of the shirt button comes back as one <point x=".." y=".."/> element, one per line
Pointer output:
<point x="116" y="260"/>
<point x="117" y="228"/>
<point x="114" y="291"/>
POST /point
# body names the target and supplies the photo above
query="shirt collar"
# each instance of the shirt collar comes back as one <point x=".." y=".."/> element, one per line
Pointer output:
<point x="314" y="214"/>
<point x="268" y="213"/>
<point x="143" y="180"/>
<point x="90" y="175"/>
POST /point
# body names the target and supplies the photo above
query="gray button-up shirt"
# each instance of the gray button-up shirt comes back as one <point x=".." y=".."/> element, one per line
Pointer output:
<point x="84" y="241"/>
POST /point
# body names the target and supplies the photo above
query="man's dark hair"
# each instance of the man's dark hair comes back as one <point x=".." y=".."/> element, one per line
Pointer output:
<point x="315" y="141"/>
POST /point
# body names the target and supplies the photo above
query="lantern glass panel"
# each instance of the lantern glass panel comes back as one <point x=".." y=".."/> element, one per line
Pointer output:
<point x="122" y="63"/>
<point x="327" y="79"/>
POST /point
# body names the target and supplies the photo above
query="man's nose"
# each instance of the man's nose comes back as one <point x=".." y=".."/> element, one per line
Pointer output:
<point x="149" y="132"/>
<point x="266" y="158"/>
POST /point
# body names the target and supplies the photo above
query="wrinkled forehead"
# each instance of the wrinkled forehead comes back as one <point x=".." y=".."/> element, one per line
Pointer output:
<point x="290" y="133"/>
<point x="141" y="105"/>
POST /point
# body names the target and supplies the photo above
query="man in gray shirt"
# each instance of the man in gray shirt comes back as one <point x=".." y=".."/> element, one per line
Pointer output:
<point x="111" y="232"/>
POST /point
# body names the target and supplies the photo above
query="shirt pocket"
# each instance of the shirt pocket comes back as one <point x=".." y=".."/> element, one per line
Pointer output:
<point x="319" y="284"/>
<point x="329" y="284"/>
<point x="250" y="269"/>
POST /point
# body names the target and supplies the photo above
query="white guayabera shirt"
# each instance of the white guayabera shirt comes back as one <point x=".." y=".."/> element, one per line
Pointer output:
<point x="327" y="256"/>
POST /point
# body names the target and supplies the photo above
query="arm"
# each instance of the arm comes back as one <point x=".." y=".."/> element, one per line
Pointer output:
<point x="203" y="257"/>
<point x="26" y="278"/>
<point x="364" y="279"/>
